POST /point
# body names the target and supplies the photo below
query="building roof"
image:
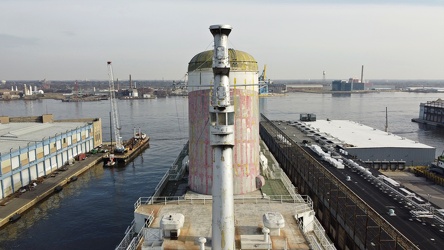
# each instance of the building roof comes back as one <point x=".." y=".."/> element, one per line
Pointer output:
<point x="239" y="61"/>
<point x="357" y="135"/>
<point x="20" y="134"/>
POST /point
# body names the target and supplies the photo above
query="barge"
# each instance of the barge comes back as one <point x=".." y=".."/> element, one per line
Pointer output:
<point x="133" y="147"/>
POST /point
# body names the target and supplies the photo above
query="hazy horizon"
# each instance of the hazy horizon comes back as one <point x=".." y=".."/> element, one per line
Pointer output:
<point x="171" y="80"/>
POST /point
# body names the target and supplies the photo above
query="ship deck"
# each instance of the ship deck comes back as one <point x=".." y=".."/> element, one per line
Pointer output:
<point x="248" y="222"/>
<point x="278" y="195"/>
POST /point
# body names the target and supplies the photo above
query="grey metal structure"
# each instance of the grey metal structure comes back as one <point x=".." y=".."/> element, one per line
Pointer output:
<point x="222" y="142"/>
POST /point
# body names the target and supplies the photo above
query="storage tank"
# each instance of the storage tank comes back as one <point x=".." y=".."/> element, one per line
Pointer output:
<point x="244" y="91"/>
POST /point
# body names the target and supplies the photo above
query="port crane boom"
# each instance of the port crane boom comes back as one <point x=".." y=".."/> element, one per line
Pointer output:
<point x="114" y="111"/>
<point x="263" y="82"/>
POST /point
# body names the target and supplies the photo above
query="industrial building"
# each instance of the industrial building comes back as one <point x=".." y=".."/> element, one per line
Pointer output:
<point x="243" y="80"/>
<point x="379" y="149"/>
<point x="350" y="85"/>
<point x="34" y="147"/>
<point x="277" y="88"/>
<point x="431" y="112"/>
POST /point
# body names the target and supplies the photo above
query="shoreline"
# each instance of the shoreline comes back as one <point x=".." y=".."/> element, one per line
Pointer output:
<point x="61" y="97"/>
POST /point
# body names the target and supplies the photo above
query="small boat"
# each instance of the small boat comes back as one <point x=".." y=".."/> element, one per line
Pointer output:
<point x="110" y="163"/>
<point x="58" y="188"/>
<point x="15" y="217"/>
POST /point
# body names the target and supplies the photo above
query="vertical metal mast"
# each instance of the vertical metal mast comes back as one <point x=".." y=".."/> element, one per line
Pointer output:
<point x="362" y="74"/>
<point x="222" y="141"/>
<point x="112" y="97"/>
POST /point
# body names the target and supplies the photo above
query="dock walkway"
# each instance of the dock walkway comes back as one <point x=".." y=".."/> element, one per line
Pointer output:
<point x="20" y="203"/>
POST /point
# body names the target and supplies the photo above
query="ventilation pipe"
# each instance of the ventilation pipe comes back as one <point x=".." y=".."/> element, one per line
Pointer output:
<point x="202" y="242"/>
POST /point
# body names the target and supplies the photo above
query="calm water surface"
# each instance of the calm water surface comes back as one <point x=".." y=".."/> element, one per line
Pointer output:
<point x="94" y="212"/>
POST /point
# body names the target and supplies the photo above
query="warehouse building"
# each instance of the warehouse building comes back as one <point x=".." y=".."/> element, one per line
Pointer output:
<point x="33" y="147"/>
<point x="379" y="149"/>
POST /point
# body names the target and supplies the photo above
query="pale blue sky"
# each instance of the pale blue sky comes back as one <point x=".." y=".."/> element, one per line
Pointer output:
<point x="155" y="39"/>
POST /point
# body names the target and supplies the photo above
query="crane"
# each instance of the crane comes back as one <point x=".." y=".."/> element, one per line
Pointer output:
<point x="114" y="111"/>
<point x="263" y="76"/>
<point x="263" y="84"/>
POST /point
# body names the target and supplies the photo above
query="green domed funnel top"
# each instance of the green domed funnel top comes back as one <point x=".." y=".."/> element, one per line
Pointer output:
<point x="239" y="61"/>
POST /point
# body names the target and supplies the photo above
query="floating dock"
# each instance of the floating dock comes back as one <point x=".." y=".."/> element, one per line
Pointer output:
<point x="134" y="148"/>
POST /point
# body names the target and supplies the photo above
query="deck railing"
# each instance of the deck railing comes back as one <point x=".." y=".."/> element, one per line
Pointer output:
<point x="128" y="238"/>
<point x="203" y="200"/>
<point x="133" y="238"/>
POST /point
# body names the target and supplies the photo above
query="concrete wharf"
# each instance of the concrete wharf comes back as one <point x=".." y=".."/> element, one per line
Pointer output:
<point x="21" y="202"/>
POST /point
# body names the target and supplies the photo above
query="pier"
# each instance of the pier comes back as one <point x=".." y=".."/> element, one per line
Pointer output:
<point x="20" y="202"/>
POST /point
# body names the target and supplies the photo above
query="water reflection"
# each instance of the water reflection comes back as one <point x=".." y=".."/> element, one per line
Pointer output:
<point x="42" y="210"/>
<point x="341" y="94"/>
